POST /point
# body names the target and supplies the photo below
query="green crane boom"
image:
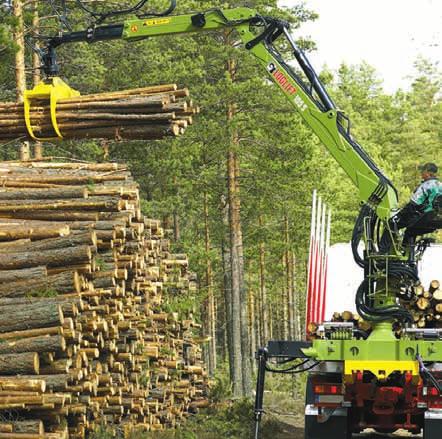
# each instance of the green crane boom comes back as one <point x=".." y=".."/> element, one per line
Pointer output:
<point x="309" y="97"/>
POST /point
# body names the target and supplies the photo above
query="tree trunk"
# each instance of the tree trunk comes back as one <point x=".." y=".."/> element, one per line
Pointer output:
<point x="20" y="75"/>
<point x="296" y="303"/>
<point x="284" y="301"/>
<point x="245" y="340"/>
<point x="238" y="389"/>
<point x="239" y="292"/>
<point x="227" y="285"/>
<point x="258" y="319"/>
<point x="265" y="323"/>
<point x="289" y="281"/>
<point x="36" y="64"/>
<point x="252" y="326"/>
<point x="211" y="317"/>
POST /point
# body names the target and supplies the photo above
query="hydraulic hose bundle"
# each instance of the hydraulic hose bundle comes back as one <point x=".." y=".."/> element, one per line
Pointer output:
<point x="378" y="270"/>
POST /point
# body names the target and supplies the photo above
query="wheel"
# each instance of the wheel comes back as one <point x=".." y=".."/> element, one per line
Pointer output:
<point x="335" y="427"/>
<point x="433" y="424"/>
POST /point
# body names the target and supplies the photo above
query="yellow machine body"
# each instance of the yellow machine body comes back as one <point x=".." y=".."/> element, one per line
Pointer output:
<point x="381" y="369"/>
<point x="50" y="91"/>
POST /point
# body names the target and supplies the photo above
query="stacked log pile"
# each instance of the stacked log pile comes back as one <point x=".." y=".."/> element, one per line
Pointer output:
<point x="425" y="304"/>
<point x="85" y="337"/>
<point x="145" y="113"/>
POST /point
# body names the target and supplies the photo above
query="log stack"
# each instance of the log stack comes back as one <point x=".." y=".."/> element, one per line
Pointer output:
<point x="425" y="304"/>
<point x="138" y="114"/>
<point x="86" y="337"/>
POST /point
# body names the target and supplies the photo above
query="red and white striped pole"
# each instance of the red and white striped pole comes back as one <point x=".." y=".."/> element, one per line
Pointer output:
<point x="318" y="261"/>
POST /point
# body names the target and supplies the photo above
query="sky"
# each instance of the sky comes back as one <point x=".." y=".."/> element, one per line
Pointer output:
<point x="388" y="34"/>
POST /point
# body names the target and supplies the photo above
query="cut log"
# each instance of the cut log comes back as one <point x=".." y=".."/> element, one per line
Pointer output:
<point x="52" y="258"/>
<point x="64" y="282"/>
<point x="16" y="364"/>
<point x="31" y="316"/>
<point x="16" y="335"/>
<point x="34" y="426"/>
<point x="434" y="285"/>
<point x="22" y="384"/>
<point x="7" y="233"/>
<point x="98" y="203"/>
<point x="52" y="343"/>
<point x="24" y="274"/>
<point x="43" y="194"/>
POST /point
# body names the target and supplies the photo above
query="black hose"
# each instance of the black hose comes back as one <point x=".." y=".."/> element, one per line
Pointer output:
<point x="370" y="313"/>
<point x="292" y="370"/>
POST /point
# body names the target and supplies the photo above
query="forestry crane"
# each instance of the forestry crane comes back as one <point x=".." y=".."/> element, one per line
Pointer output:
<point x="355" y="382"/>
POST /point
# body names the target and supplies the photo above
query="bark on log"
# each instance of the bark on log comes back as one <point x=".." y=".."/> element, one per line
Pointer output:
<point x="31" y="316"/>
<point x="24" y="274"/>
<point x="98" y="203"/>
<point x="64" y="282"/>
<point x="35" y="384"/>
<point x="75" y="239"/>
<point x="43" y="194"/>
<point x="17" y="364"/>
<point x="22" y="232"/>
<point x="29" y="426"/>
<point x="51" y="258"/>
<point x="52" y="343"/>
<point x="52" y="215"/>
<point x="16" y="335"/>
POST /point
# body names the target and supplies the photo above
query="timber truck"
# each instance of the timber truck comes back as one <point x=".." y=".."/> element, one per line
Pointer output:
<point x="381" y="381"/>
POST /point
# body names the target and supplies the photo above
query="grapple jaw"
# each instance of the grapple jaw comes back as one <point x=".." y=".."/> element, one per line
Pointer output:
<point x="45" y="95"/>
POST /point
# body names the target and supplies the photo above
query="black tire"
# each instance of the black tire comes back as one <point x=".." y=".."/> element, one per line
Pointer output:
<point x="336" y="427"/>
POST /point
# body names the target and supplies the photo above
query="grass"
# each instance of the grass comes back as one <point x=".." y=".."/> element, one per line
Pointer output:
<point x="228" y="420"/>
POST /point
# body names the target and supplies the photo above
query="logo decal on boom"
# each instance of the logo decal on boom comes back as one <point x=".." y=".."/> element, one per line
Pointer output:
<point x="157" y="22"/>
<point x="281" y="79"/>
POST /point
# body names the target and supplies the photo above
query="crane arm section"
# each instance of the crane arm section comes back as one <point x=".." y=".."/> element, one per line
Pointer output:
<point x="305" y="92"/>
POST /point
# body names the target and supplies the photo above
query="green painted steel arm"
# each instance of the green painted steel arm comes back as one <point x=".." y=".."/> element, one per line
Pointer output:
<point x="329" y="124"/>
<point x="308" y="97"/>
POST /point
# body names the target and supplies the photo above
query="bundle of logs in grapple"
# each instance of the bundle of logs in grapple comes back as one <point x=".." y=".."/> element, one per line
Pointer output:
<point x="144" y="113"/>
<point x="85" y="335"/>
<point x="425" y="304"/>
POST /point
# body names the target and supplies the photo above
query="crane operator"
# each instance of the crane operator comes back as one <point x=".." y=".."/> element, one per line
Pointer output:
<point x="422" y="214"/>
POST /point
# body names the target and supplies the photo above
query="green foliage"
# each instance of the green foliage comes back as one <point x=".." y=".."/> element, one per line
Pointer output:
<point x="222" y="389"/>
<point x="233" y="421"/>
